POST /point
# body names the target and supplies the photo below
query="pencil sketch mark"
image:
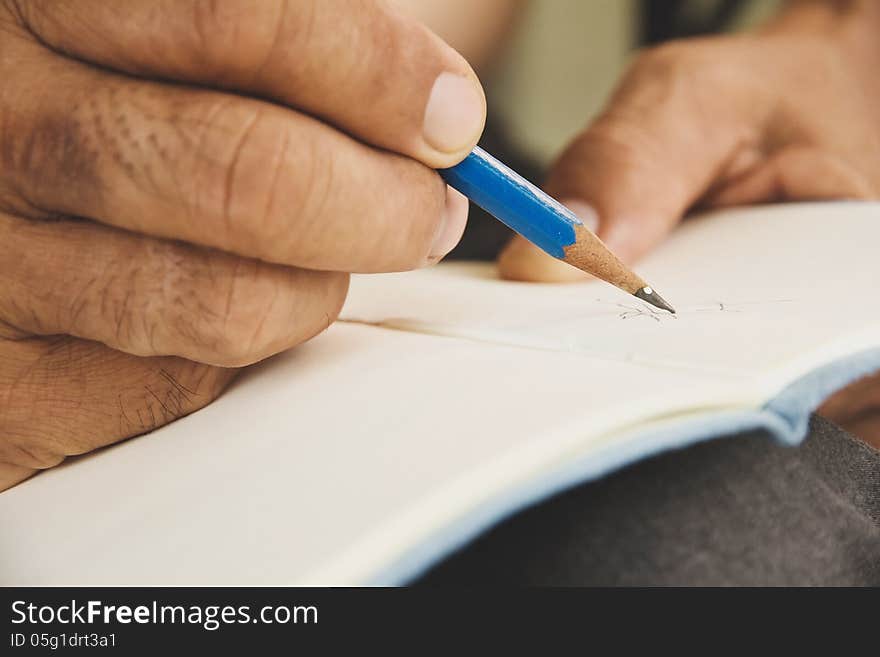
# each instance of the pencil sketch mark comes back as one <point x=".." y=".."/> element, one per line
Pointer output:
<point x="720" y="306"/>
<point x="630" y="311"/>
<point x="643" y="310"/>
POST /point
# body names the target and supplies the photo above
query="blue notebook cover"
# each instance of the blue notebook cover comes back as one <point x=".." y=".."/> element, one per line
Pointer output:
<point x="785" y="418"/>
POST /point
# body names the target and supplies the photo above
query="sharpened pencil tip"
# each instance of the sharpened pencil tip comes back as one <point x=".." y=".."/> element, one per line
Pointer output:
<point x="648" y="294"/>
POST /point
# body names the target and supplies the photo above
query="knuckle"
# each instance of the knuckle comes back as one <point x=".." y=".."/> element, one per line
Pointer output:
<point x="615" y="140"/>
<point x="308" y="199"/>
<point x="280" y="311"/>
<point x="684" y="67"/>
<point x="386" y="43"/>
<point x="230" y="321"/>
<point x="283" y="203"/>
<point x="235" y="41"/>
<point x="192" y="302"/>
<point x="197" y="315"/>
<point x="667" y="59"/>
<point x="236" y="176"/>
<point x="629" y="139"/>
<point x="223" y="139"/>
<point x="212" y="32"/>
<point x="208" y="23"/>
<point x="241" y="177"/>
<point x="122" y="300"/>
<point x="153" y="301"/>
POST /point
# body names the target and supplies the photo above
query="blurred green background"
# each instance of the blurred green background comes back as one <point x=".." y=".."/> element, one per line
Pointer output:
<point x="563" y="59"/>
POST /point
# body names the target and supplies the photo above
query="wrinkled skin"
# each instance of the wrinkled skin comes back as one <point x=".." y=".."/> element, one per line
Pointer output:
<point x="185" y="186"/>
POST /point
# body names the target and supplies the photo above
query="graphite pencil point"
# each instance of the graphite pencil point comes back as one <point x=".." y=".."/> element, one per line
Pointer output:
<point x="649" y="295"/>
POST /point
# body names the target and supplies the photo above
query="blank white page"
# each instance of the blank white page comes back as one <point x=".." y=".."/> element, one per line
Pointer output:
<point x="322" y="465"/>
<point x="757" y="290"/>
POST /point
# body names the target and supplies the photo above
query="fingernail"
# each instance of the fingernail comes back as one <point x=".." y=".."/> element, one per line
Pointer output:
<point x="617" y="236"/>
<point x="454" y="114"/>
<point x="624" y="239"/>
<point x="452" y="227"/>
<point x="583" y="211"/>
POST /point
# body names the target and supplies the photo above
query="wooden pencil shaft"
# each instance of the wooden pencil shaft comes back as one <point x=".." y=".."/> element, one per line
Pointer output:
<point x="589" y="254"/>
<point x="542" y="220"/>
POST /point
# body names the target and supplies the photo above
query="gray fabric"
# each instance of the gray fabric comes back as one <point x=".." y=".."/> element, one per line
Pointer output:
<point x="742" y="510"/>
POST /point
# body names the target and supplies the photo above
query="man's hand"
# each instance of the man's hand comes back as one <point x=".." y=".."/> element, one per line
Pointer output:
<point x="787" y="114"/>
<point x="184" y="187"/>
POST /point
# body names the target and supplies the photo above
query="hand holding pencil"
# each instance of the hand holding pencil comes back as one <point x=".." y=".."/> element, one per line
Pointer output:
<point x="213" y="172"/>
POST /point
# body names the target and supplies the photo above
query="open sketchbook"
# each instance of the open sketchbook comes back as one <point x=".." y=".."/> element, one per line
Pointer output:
<point x="447" y="399"/>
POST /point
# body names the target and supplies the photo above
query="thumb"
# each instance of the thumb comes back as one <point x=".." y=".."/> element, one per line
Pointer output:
<point x="633" y="173"/>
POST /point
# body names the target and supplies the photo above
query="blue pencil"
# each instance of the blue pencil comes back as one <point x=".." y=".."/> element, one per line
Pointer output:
<point x="544" y="221"/>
